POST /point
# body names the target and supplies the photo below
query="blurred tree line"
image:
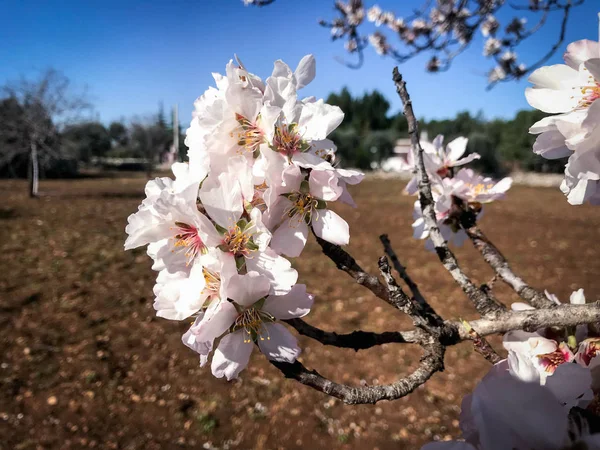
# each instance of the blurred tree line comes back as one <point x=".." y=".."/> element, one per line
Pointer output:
<point x="368" y="135"/>
<point x="46" y="130"/>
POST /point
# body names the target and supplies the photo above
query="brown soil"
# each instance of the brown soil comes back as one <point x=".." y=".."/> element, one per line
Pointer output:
<point x="86" y="364"/>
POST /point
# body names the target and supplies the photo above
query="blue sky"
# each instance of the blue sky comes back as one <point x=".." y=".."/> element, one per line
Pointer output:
<point x="131" y="54"/>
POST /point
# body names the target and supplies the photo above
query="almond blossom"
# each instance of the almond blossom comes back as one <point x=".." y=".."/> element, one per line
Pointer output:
<point x="571" y="90"/>
<point x="250" y="318"/>
<point x="505" y="412"/>
<point x="301" y="204"/>
<point x="441" y="160"/>
<point x="476" y="188"/>
<point x="443" y="191"/>
<point x="260" y="165"/>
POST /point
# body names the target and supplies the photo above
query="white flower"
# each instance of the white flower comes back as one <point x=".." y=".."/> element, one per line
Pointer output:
<point x="177" y="232"/>
<point x="250" y="318"/>
<point x="582" y="178"/>
<point x="182" y="294"/>
<point x="489" y="26"/>
<point x="301" y="203"/>
<point x="480" y="189"/>
<point x="571" y="90"/>
<point x="492" y="47"/>
<point x="379" y="43"/>
<point x="374" y="15"/>
<point x="504" y="412"/>
<point x="243" y="236"/>
<point x="496" y="74"/>
<point x="443" y="190"/>
<point x="508" y="57"/>
<point x="440" y="160"/>
<point x="533" y="357"/>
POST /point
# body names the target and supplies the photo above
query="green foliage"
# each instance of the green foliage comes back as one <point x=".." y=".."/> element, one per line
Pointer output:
<point x="85" y="140"/>
<point x="118" y="134"/>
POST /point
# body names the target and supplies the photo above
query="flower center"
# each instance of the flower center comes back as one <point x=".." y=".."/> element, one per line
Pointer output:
<point x="591" y="93"/>
<point x="589" y="349"/>
<point x="302" y="207"/>
<point x="442" y="172"/>
<point x="212" y="281"/>
<point x="252" y="322"/>
<point x="249" y="135"/>
<point x="187" y="238"/>
<point x="259" y="191"/>
<point x="481" y="188"/>
<point x="238" y="240"/>
<point x="287" y="141"/>
<point x="550" y="361"/>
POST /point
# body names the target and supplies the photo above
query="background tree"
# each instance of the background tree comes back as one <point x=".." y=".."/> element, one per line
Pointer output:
<point x="118" y="134"/>
<point x="86" y="140"/>
<point x="150" y="140"/>
<point x="44" y="107"/>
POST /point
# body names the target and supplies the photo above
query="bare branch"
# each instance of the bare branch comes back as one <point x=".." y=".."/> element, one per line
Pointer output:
<point x="483" y="303"/>
<point x="498" y="262"/>
<point x="414" y="288"/>
<point x="348" y="264"/>
<point x="534" y="319"/>
<point x="431" y="324"/>
<point x="431" y="362"/>
<point x="433" y="359"/>
<point x="357" y="340"/>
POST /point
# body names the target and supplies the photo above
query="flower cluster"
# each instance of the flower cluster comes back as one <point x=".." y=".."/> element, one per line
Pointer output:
<point x="545" y="353"/>
<point x="526" y="401"/>
<point x="505" y="412"/>
<point x="453" y="191"/>
<point x="260" y="175"/>
<point x="570" y="91"/>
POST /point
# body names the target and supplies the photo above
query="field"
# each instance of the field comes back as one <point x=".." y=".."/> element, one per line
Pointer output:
<point x="84" y="362"/>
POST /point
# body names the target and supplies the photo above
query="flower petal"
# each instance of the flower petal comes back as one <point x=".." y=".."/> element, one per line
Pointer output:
<point x="290" y="237"/>
<point x="277" y="269"/>
<point x="217" y="319"/>
<point x="512" y="414"/>
<point x="231" y="356"/>
<point x="580" y="51"/>
<point x="331" y="227"/>
<point x="551" y="145"/>
<point x="294" y="304"/>
<point x="324" y="185"/>
<point x="456" y="148"/>
<point x="247" y="289"/>
<point x="280" y="344"/>
<point x="306" y="71"/>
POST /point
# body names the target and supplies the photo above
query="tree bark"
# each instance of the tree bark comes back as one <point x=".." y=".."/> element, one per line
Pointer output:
<point x="34" y="172"/>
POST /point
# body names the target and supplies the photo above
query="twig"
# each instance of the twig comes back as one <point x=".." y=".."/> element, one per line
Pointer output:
<point x="357" y="340"/>
<point x="482" y="346"/>
<point x="345" y="262"/>
<point x="432" y="361"/>
<point x="498" y="262"/>
<point x="484" y="304"/>
<point x="432" y="324"/>
<point x="414" y="288"/>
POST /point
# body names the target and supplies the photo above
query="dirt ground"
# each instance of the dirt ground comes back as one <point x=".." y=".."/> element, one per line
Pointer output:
<point x="84" y="362"/>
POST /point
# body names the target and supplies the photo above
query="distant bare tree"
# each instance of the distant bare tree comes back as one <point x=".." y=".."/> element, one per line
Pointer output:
<point x="446" y="28"/>
<point x="43" y="107"/>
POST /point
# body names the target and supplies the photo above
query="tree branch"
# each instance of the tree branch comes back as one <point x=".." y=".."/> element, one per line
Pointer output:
<point x="414" y="288"/>
<point x="484" y="304"/>
<point x="432" y="361"/>
<point x="357" y="340"/>
<point x="344" y="261"/>
<point x="498" y="262"/>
